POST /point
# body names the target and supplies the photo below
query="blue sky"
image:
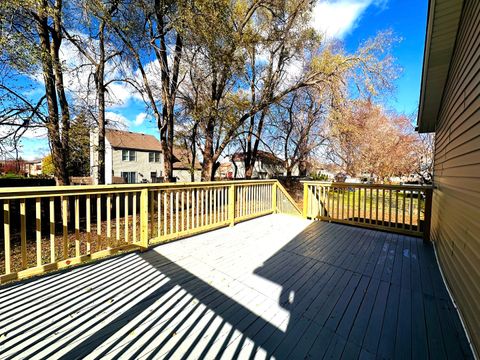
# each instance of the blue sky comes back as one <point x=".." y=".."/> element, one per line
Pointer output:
<point x="352" y="21"/>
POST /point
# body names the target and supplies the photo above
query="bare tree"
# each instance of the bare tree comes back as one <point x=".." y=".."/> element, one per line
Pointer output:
<point x="147" y="29"/>
<point x="35" y="31"/>
<point x="297" y="129"/>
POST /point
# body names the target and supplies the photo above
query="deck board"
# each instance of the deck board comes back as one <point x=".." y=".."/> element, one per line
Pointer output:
<point x="277" y="286"/>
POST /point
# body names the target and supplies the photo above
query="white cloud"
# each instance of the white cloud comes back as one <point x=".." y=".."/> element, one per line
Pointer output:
<point x="140" y="118"/>
<point x="117" y="120"/>
<point x="336" y="18"/>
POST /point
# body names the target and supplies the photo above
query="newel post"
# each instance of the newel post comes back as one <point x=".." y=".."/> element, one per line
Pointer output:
<point x="231" y="204"/>
<point x="144" y="218"/>
<point x="305" y="200"/>
<point x="428" y="214"/>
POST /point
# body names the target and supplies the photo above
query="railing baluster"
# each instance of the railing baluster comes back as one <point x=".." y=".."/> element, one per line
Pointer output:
<point x="171" y="212"/>
<point x="390" y="208"/>
<point x="109" y="222"/>
<point x="343" y="203"/>
<point x="89" y="239"/>
<point x="6" y="233"/>
<point x="38" y="225"/>
<point x="404" y="208"/>
<point x="215" y="213"/>
<point x="176" y="211"/>
<point x="193" y="208"/>
<point x="151" y="198"/>
<point x="203" y="210"/>
<point x="159" y="214"/>
<point x="183" y="210"/>
<point x="77" y="226"/>
<point x="99" y="222"/>
<point x="125" y="216"/>
<point x="370" y="217"/>
<point x="411" y="209"/>
<point x="419" y="199"/>
<point x="52" y="229"/>
<point x="64" y="200"/>
<point x="23" y="233"/>
<point x="188" y="210"/>
<point x="117" y="220"/>
<point x="197" y="195"/>
<point x="209" y="202"/>
<point x="376" y="206"/>
<point x="383" y="207"/>
<point x="165" y="221"/>
<point x="134" y="213"/>
<point x="396" y="208"/>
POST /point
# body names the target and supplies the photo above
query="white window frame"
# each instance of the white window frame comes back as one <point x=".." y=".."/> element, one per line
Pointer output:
<point x="127" y="155"/>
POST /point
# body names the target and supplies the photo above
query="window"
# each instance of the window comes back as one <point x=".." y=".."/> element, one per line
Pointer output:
<point x="129" y="176"/>
<point x="128" y="155"/>
<point x="153" y="176"/>
<point x="154" y="156"/>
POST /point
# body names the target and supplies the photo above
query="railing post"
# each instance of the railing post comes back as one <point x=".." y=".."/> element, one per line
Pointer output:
<point x="274" y="197"/>
<point x="144" y="218"/>
<point x="305" y="200"/>
<point x="428" y="214"/>
<point x="231" y="204"/>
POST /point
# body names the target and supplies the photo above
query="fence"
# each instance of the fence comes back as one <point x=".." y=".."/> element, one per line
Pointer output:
<point x="51" y="228"/>
<point x="398" y="208"/>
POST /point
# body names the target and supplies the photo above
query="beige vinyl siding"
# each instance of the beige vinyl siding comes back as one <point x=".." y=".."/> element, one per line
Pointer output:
<point x="184" y="175"/>
<point x="141" y="165"/>
<point x="456" y="200"/>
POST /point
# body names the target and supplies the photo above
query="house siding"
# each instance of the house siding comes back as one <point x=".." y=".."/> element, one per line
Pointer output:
<point x="184" y="175"/>
<point x="456" y="200"/>
<point x="141" y="165"/>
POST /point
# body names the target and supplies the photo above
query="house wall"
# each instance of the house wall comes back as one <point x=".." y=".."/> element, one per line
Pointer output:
<point x="261" y="168"/>
<point x="184" y="175"/>
<point x="141" y="166"/>
<point x="456" y="199"/>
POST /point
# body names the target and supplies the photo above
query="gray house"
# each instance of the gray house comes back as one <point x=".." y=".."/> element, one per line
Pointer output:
<point x="138" y="158"/>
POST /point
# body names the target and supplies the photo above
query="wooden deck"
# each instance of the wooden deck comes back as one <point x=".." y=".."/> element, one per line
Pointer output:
<point x="277" y="286"/>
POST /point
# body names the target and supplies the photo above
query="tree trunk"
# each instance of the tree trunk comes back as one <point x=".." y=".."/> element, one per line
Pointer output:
<point x="53" y="127"/>
<point x="249" y="170"/>
<point x="99" y="81"/>
<point x="207" y="168"/>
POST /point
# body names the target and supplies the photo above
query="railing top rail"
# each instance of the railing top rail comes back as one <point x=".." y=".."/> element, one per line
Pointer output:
<point x="42" y="191"/>
<point x="378" y="186"/>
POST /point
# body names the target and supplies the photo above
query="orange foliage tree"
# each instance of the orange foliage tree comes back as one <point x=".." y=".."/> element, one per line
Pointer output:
<point x="363" y="138"/>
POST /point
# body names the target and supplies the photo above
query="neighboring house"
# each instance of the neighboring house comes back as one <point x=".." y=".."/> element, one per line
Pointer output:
<point x="267" y="166"/>
<point x="21" y="167"/>
<point x="133" y="158"/>
<point x="225" y="171"/>
<point x="182" y="167"/>
<point x="34" y="167"/>
<point x="450" y="107"/>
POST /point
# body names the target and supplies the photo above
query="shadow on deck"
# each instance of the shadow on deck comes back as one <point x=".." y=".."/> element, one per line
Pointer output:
<point x="313" y="290"/>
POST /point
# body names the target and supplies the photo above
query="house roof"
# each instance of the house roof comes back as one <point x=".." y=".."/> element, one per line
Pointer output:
<point x="261" y="155"/>
<point x="442" y="27"/>
<point x="138" y="141"/>
<point x="183" y="159"/>
<point x="130" y="140"/>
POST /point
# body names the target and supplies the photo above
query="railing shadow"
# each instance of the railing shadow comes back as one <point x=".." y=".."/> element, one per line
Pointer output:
<point x="197" y="317"/>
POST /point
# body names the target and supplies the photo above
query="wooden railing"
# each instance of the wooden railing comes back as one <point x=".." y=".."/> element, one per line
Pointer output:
<point x="48" y="228"/>
<point x="398" y="208"/>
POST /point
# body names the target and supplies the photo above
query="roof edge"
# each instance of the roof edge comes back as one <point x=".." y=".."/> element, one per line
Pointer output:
<point x="431" y="94"/>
